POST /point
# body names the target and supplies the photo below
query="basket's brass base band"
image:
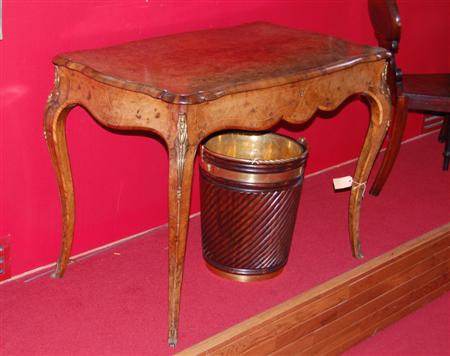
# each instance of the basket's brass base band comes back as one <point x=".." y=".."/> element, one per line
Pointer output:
<point x="251" y="177"/>
<point x="243" y="277"/>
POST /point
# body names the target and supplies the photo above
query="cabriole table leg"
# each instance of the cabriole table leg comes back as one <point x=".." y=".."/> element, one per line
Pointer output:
<point x="55" y="135"/>
<point x="379" y="118"/>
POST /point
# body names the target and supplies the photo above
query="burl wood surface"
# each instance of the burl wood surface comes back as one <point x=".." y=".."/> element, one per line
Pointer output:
<point x="186" y="87"/>
<point x="188" y="68"/>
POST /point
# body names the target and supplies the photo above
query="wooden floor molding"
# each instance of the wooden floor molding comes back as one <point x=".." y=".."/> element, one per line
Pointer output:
<point x="334" y="316"/>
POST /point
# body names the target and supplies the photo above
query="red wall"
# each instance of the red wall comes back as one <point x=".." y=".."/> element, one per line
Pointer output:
<point x="120" y="180"/>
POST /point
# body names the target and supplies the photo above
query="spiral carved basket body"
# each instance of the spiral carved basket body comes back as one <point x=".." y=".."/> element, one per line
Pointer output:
<point x="250" y="189"/>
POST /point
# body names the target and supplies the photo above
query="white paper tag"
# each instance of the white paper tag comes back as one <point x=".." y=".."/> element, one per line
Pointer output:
<point x="343" y="182"/>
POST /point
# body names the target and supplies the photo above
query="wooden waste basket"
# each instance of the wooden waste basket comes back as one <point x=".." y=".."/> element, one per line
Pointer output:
<point x="250" y="188"/>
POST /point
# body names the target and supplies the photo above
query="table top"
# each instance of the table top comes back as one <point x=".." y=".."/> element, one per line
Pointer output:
<point x="193" y="67"/>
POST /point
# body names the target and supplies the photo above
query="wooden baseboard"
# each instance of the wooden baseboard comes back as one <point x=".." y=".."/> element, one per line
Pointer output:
<point x="347" y="309"/>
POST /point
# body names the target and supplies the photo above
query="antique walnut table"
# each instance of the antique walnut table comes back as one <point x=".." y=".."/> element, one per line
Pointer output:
<point x="185" y="87"/>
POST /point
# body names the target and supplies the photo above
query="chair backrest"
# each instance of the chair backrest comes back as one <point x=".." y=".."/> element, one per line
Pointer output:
<point x="386" y="22"/>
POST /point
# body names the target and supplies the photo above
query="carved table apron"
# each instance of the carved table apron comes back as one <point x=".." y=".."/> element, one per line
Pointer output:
<point x="185" y="87"/>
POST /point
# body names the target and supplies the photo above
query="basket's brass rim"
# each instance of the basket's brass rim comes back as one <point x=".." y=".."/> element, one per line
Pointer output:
<point x="251" y="177"/>
<point x="256" y="162"/>
<point x="301" y="144"/>
<point x="242" y="277"/>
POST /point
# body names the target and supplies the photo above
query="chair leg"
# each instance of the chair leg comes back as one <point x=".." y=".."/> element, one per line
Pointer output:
<point x="444" y="136"/>
<point x="396" y="135"/>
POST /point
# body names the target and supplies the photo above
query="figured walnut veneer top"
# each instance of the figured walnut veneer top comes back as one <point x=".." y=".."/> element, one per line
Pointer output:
<point x="193" y="67"/>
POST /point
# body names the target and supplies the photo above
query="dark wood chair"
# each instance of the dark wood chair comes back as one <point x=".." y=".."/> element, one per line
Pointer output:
<point x="410" y="92"/>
